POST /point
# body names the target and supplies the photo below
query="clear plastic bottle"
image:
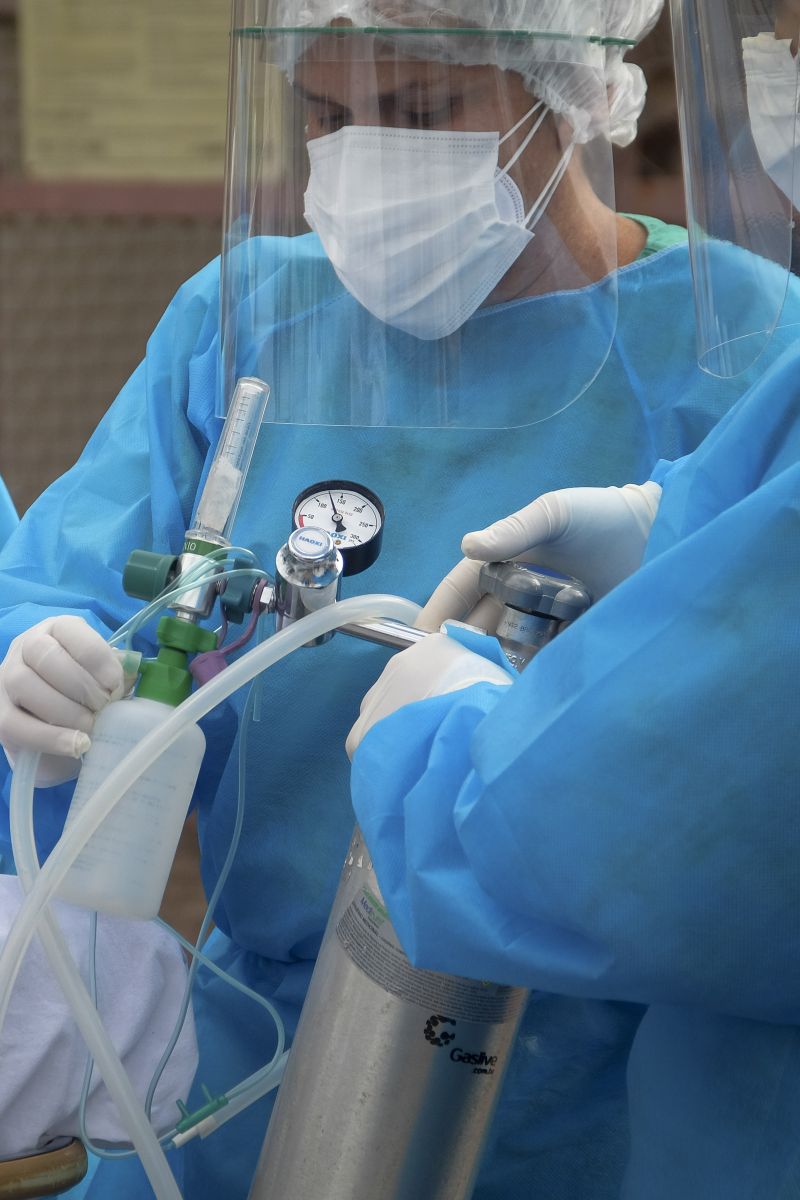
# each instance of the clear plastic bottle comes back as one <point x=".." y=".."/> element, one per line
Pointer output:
<point x="124" y="867"/>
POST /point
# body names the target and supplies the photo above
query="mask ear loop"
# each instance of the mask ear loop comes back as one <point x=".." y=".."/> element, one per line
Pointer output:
<point x="537" y="210"/>
<point x="526" y="141"/>
<point x="533" y="216"/>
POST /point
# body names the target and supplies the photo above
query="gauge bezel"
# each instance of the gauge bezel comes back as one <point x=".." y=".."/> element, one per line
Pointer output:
<point x="356" y="558"/>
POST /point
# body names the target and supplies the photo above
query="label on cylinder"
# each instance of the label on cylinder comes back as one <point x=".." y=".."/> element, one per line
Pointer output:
<point x="366" y="934"/>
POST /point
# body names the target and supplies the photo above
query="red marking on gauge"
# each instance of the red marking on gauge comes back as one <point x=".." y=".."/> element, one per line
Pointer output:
<point x="300" y="521"/>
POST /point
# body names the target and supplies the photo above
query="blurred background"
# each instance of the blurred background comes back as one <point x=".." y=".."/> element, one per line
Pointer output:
<point x="112" y="132"/>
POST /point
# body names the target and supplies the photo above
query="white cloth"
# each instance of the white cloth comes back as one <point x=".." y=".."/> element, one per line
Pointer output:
<point x="433" y="667"/>
<point x="598" y="93"/>
<point x="771" y="71"/>
<point x="595" y="534"/>
<point x="141" y="975"/>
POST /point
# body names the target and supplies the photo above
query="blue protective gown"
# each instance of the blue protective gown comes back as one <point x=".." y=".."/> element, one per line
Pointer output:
<point x="8" y="513"/>
<point x="562" y="1127"/>
<point x="623" y="822"/>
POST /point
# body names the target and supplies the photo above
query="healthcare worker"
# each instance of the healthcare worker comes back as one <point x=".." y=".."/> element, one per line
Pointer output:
<point x="620" y="823"/>
<point x="468" y="322"/>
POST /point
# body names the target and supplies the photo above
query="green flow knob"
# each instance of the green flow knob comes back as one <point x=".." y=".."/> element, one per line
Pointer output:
<point x="147" y="574"/>
<point x="237" y="599"/>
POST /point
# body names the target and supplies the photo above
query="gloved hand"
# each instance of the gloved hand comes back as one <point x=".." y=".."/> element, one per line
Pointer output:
<point x="141" y="977"/>
<point x="55" y="679"/>
<point x="434" y="666"/>
<point x="596" y="534"/>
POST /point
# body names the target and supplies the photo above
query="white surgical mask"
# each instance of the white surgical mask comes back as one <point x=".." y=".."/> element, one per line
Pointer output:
<point x="772" y="79"/>
<point x="421" y="225"/>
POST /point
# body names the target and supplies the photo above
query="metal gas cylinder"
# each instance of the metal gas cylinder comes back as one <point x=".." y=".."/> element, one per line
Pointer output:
<point x="395" y="1071"/>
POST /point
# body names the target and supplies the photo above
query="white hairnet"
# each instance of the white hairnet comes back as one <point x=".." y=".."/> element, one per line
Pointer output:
<point x="587" y="82"/>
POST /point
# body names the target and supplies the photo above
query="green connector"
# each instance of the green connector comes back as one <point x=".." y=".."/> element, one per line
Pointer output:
<point x="167" y="678"/>
<point x="215" y="1103"/>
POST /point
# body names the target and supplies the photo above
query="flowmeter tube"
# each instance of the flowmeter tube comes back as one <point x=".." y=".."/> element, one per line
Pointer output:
<point x="219" y="501"/>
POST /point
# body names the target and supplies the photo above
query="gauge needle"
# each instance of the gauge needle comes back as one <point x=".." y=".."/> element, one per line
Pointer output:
<point x="336" y="517"/>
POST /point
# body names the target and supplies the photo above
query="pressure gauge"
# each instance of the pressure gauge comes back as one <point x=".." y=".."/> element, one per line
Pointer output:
<point x="350" y="513"/>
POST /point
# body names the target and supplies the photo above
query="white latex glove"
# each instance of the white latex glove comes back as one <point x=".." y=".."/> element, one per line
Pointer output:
<point x="54" y="681"/>
<point x="595" y="534"/>
<point x="434" y="666"/>
<point x="141" y="976"/>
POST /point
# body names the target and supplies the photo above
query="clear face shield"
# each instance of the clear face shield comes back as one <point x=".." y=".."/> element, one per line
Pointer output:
<point x="736" y="68"/>
<point x="420" y="226"/>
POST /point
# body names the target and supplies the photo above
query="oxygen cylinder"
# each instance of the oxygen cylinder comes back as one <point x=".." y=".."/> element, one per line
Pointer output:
<point x="395" y="1071"/>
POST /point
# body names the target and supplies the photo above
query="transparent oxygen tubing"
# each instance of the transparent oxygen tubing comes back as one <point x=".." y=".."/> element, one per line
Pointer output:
<point x="140" y="1131"/>
<point x="201" y="573"/>
<point x="248" y="1090"/>
<point x="143" y="1137"/>
<point x="209" y="916"/>
<point x="245" y="1093"/>
<point x="33" y="917"/>
<point x="101" y="1049"/>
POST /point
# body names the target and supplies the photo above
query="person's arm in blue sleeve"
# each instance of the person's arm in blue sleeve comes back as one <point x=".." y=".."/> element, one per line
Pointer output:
<point x="622" y="822"/>
<point x="8" y="514"/>
<point x="662" y="468"/>
<point x="133" y="486"/>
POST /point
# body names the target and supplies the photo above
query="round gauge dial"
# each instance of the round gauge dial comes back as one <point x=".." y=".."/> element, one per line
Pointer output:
<point x="353" y="516"/>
